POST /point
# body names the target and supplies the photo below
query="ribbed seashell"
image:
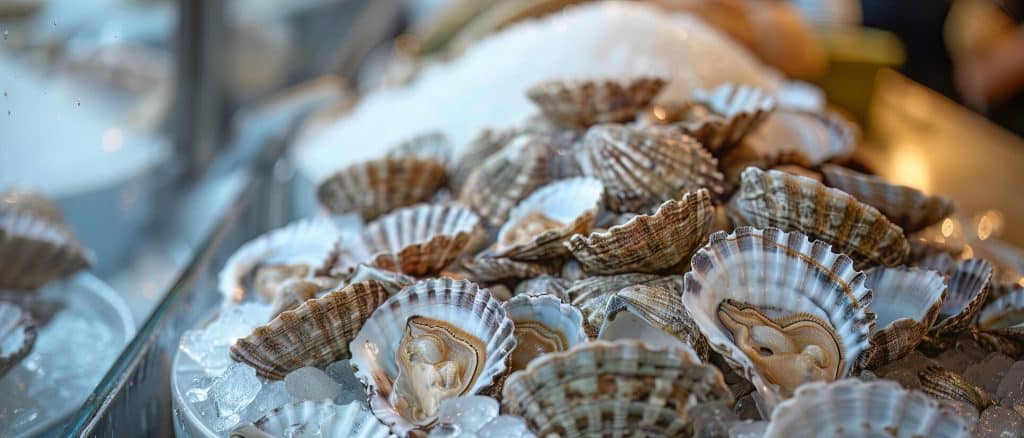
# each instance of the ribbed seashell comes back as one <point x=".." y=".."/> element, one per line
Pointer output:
<point x="36" y="251"/>
<point x="967" y="291"/>
<point x="801" y="171"/>
<point x="545" y="284"/>
<point x="537" y="226"/>
<point x="591" y="294"/>
<point x="572" y="270"/>
<point x="944" y="384"/>
<point x="317" y="333"/>
<point x="375" y="187"/>
<point x="855" y="408"/>
<point x="778" y="199"/>
<point x="486" y="144"/>
<point x="432" y="145"/>
<point x="320" y="419"/>
<point x="544" y="324"/>
<point x="418" y="240"/>
<point x="392" y="281"/>
<point x="721" y="117"/>
<point x="802" y="286"/>
<point x="291" y="293"/>
<point x="1005" y="314"/>
<point x="808" y="138"/>
<point x="905" y="206"/>
<point x="486" y="269"/>
<point x="434" y="340"/>
<point x="648" y="243"/>
<point x="17" y="335"/>
<point x="508" y="177"/>
<point x="641" y="167"/>
<point x="652" y="314"/>
<point x="613" y="389"/>
<point x="906" y="302"/>
<point x="32" y="203"/>
<point x="302" y="244"/>
<point x="582" y="103"/>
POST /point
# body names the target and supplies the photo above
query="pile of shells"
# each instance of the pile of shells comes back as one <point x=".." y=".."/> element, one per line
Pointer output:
<point x="612" y="267"/>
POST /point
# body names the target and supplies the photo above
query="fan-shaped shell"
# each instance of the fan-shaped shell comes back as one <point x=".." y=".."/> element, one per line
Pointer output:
<point x="905" y="206"/>
<point x="809" y="138"/>
<point x="967" y="291"/>
<point x="721" y="117"/>
<point x="545" y="284"/>
<point x="906" y="302"/>
<point x="33" y="203"/>
<point x="36" y="251"/>
<point x="317" y="333"/>
<point x="444" y="329"/>
<point x="652" y="315"/>
<point x="375" y="187"/>
<point x="854" y="408"/>
<point x="581" y="103"/>
<point x="785" y="276"/>
<point x="778" y="199"/>
<point x="641" y="167"/>
<point x="537" y="227"/>
<point x="320" y="419"/>
<point x="486" y="269"/>
<point x="612" y="389"/>
<point x="432" y="145"/>
<point x="591" y="294"/>
<point x="17" y="335"/>
<point x="648" y="243"/>
<point x="543" y="325"/>
<point x="486" y="144"/>
<point x="1005" y="315"/>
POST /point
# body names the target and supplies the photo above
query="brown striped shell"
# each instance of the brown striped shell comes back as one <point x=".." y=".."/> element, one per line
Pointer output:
<point x="375" y="187"/>
<point x="582" y="103"/>
<point x="944" y="384"/>
<point x="36" y="251"/>
<point x="905" y="206"/>
<point x="1004" y="315"/>
<point x="778" y="199"/>
<point x="906" y="302"/>
<point x="486" y="269"/>
<point x="538" y="226"/>
<point x="489" y="142"/>
<point x="810" y="138"/>
<point x="968" y="286"/>
<point x="431" y="145"/>
<point x="591" y="294"/>
<point x="32" y="203"/>
<point x="648" y="243"/>
<point x="508" y="177"/>
<point x="652" y="314"/>
<point x="17" y="335"/>
<point x="718" y="118"/>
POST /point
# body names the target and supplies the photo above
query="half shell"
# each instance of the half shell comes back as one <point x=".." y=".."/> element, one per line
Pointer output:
<point x="375" y="187"/>
<point x="721" y="117"/>
<point x="36" y="251"/>
<point x="810" y="138"/>
<point x="1005" y="315"/>
<point x="779" y="307"/>
<point x="968" y="289"/>
<point x="32" y="203"/>
<point x="545" y="284"/>
<point x="612" y="389"/>
<point x="320" y="419"/>
<point x="538" y="226"/>
<point x="648" y="243"/>
<point x="486" y="269"/>
<point x="508" y="177"/>
<point x="906" y="302"/>
<point x="907" y="207"/>
<point x="581" y="103"/>
<point x="486" y="144"/>
<point x="854" y="408"/>
<point x="543" y="325"/>
<point x="653" y="315"/>
<point x="430" y="145"/>
<point x="778" y="199"/>
<point x="317" y="333"/>
<point x="436" y="339"/>
<point x="17" y="335"/>
<point x="591" y="294"/>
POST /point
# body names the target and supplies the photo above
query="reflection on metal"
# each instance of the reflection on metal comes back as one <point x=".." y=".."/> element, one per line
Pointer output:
<point x="199" y="82"/>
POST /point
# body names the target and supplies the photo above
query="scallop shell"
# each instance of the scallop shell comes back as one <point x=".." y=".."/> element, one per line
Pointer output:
<point x="778" y="199"/>
<point x="854" y="408"/>
<point x="486" y="269"/>
<point x="944" y="384"/>
<point x="582" y="103"/>
<point x="33" y="203"/>
<point x="393" y="282"/>
<point x="653" y="315"/>
<point x="641" y="167"/>
<point x="543" y="325"/>
<point x="36" y="251"/>
<point x="784" y="276"/>
<point x="648" y="243"/>
<point x="967" y="291"/>
<point x="906" y="302"/>
<point x="467" y="330"/>
<point x="375" y="187"/>
<point x="612" y="389"/>
<point x="308" y="419"/>
<point x="418" y="240"/>
<point x="317" y="333"/>
<point x="721" y="117"/>
<point x="508" y="177"/>
<point x="905" y="206"/>
<point x="291" y="293"/>
<point x="545" y="284"/>
<point x="1005" y="314"/>
<point x="17" y="335"/>
<point x="432" y="145"/>
<point x="808" y="138"/>
<point x="540" y="223"/>
<point x="591" y="294"/>
<point x="486" y="144"/>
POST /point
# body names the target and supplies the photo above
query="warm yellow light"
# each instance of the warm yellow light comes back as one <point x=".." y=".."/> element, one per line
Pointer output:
<point x="947" y="227"/>
<point x="968" y="252"/>
<point x="659" y="113"/>
<point x="984" y="227"/>
<point x="909" y="167"/>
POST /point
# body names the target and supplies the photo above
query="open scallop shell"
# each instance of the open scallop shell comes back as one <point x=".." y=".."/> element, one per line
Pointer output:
<point x="545" y="284"/>
<point x="432" y="145"/>
<point x="436" y="339"/>
<point x="648" y="243"/>
<point x="808" y="138"/>
<point x="905" y="206"/>
<point x="508" y="177"/>
<point x="582" y="103"/>
<point x="906" y="302"/>
<point x="641" y="167"/>
<point x="36" y="251"/>
<point x="317" y="333"/>
<point x="968" y="287"/>
<point x="486" y="269"/>
<point x="1005" y="314"/>
<point x="721" y="117"/>
<point x="653" y="315"/>
<point x="612" y="389"/>
<point x="540" y="223"/>
<point x="543" y="325"/>
<point x="17" y="335"/>
<point x="785" y="276"/>
<point x="854" y="408"/>
<point x="591" y="294"/>
<point x="778" y="199"/>
<point x="320" y="419"/>
<point x="375" y="187"/>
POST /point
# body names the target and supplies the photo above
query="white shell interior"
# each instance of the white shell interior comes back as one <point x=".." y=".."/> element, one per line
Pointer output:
<point x="551" y="312"/>
<point x="1012" y="301"/>
<point x="563" y="201"/>
<point x="626" y="325"/>
<point x="899" y="293"/>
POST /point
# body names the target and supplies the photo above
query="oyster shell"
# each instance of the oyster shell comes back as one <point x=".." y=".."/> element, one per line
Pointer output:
<point x="779" y="307"/>
<point x="321" y="419"/>
<point x="906" y="302"/>
<point x="778" y="199"/>
<point x="291" y="293"/>
<point x="393" y="282"/>
<point x="375" y="187"/>
<point x="540" y="223"/>
<point x="945" y="384"/>
<point x="648" y="243"/>
<point x="612" y="389"/>
<point x="653" y="315"/>
<point x="591" y="294"/>
<point x="808" y="138"/>
<point x="543" y="325"/>
<point x="582" y="103"/>
<point x="17" y="335"/>
<point x="1005" y="314"/>
<point x="317" y="333"/>
<point x="905" y="206"/>
<point x="967" y="291"/>
<point x="643" y="166"/>
<point x="432" y="145"/>
<point x="36" y="251"/>
<point x="721" y="117"/>
<point x="508" y="177"/>
<point x="485" y="269"/>
<point x="852" y="408"/>
<point x="434" y="340"/>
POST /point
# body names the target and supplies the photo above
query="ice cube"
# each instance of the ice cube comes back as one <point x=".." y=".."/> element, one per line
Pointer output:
<point x="445" y="430"/>
<point x="747" y="429"/>
<point x="271" y="396"/>
<point x="468" y="412"/>
<point x="223" y="424"/>
<point x="199" y="389"/>
<point x="209" y="347"/>
<point x="234" y="390"/>
<point x="311" y="383"/>
<point x="352" y="389"/>
<point x="711" y="418"/>
<point x="506" y="426"/>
